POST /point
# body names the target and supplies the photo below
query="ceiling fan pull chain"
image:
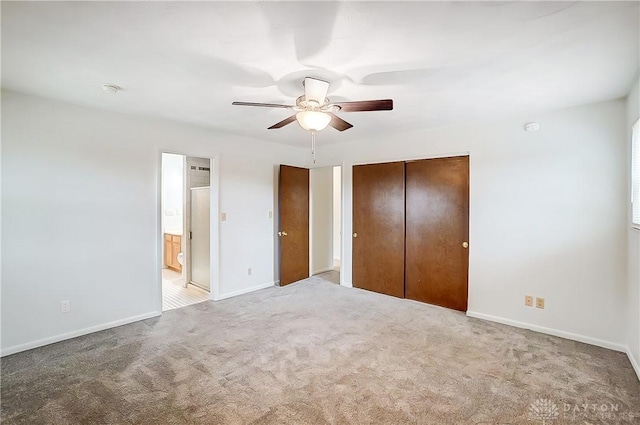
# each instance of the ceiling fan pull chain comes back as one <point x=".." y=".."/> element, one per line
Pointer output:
<point x="313" y="146"/>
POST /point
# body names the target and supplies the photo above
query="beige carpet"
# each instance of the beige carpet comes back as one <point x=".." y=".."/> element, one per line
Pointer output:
<point x="318" y="353"/>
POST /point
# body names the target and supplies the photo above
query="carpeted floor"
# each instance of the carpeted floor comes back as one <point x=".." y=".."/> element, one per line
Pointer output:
<point x="318" y="353"/>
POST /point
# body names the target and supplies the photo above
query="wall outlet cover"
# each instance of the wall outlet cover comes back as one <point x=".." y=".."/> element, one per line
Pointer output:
<point x="528" y="300"/>
<point x="65" y="306"/>
<point x="540" y="302"/>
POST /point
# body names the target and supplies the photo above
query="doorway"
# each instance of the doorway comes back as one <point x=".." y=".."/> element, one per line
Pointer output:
<point x="324" y="223"/>
<point x="310" y="219"/>
<point x="185" y="233"/>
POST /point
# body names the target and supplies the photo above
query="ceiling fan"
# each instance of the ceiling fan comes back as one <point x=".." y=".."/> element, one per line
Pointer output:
<point x="314" y="111"/>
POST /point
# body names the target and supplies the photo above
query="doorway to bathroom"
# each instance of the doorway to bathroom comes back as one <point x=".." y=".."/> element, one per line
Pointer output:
<point x="185" y="230"/>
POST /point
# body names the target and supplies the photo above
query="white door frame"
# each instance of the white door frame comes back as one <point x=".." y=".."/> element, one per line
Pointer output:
<point x="214" y="236"/>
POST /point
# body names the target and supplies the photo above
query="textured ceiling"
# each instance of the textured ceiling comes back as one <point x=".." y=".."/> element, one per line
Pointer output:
<point x="441" y="62"/>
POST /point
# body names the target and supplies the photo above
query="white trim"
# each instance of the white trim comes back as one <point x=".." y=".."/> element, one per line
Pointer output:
<point x="345" y="228"/>
<point x="635" y="169"/>
<point x="246" y="290"/>
<point x="634" y="362"/>
<point x="549" y="331"/>
<point x="159" y="260"/>
<point x="75" y="334"/>
<point x="214" y="262"/>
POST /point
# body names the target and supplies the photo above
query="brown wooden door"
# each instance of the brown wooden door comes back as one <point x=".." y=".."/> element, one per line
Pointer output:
<point x="294" y="224"/>
<point x="378" y="228"/>
<point x="437" y="220"/>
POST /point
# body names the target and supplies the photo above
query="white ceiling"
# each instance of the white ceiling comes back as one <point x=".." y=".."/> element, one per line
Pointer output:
<point x="441" y="62"/>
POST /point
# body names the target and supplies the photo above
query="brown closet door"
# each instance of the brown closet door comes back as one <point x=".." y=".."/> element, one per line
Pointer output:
<point x="293" y="205"/>
<point x="437" y="214"/>
<point x="378" y="228"/>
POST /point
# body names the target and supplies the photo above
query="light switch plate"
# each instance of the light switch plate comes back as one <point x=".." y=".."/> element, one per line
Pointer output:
<point x="223" y="217"/>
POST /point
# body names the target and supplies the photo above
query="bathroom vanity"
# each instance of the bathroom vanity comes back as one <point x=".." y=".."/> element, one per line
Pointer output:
<point x="172" y="247"/>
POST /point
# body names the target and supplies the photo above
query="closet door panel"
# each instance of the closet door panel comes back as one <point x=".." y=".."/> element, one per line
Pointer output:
<point x="378" y="228"/>
<point x="437" y="231"/>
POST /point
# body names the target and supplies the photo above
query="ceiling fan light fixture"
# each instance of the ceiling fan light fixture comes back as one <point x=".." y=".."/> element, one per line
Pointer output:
<point x="315" y="90"/>
<point x="313" y="120"/>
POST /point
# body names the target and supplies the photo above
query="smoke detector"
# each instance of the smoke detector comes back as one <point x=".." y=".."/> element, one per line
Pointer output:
<point x="111" y="88"/>
<point x="532" y="126"/>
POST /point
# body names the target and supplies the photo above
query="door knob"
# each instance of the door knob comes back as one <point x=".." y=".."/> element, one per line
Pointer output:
<point x="284" y="233"/>
<point x="280" y="234"/>
<point x="465" y="245"/>
<point x="355" y="235"/>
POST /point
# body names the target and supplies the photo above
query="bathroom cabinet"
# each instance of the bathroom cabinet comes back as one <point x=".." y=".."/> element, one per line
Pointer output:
<point x="172" y="247"/>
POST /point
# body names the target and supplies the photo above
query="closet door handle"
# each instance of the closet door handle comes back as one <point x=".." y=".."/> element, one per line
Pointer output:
<point x="355" y="235"/>
<point x="465" y="245"/>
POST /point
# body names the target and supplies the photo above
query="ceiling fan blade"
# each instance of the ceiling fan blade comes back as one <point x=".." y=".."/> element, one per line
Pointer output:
<point x="265" y="105"/>
<point x="366" y="105"/>
<point x="284" y="122"/>
<point x="315" y="89"/>
<point x="338" y="123"/>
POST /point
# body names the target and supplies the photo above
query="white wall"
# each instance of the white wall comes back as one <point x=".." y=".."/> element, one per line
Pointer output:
<point x="80" y="202"/>
<point x="337" y="205"/>
<point x="633" y="288"/>
<point x="548" y="214"/>
<point x="321" y="219"/>
<point x="172" y="193"/>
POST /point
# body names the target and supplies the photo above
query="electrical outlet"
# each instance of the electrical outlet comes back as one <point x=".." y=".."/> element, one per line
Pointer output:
<point x="249" y="271"/>
<point x="528" y="300"/>
<point x="65" y="306"/>
<point x="223" y="217"/>
<point x="540" y="302"/>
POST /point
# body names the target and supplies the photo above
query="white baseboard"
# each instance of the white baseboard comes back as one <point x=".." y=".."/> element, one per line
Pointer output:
<point x="634" y="362"/>
<point x="246" y="290"/>
<point x="549" y="331"/>
<point x="74" y="334"/>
